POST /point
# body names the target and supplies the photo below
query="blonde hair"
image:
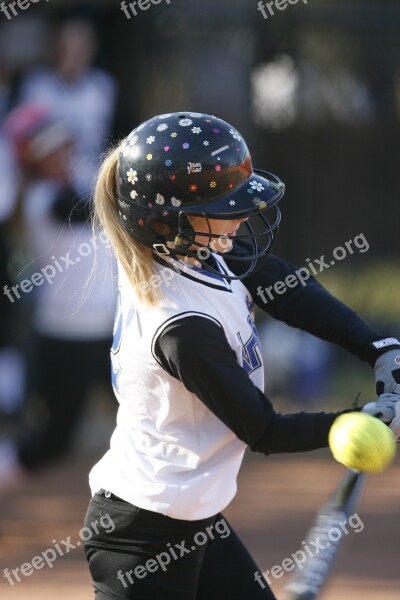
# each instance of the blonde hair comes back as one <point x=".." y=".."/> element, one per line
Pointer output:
<point x="135" y="258"/>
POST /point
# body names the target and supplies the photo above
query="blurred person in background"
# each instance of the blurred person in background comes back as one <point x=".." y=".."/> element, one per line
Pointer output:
<point x="11" y="362"/>
<point x="73" y="300"/>
<point x="83" y="96"/>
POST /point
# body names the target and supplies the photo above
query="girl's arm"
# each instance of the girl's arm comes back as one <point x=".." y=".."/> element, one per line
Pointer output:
<point x="308" y="306"/>
<point x="196" y="351"/>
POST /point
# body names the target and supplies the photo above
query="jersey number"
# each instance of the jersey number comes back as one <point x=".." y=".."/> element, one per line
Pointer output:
<point x="251" y="350"/>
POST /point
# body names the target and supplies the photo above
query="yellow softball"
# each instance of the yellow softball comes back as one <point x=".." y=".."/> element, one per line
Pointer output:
<point x="362" y="442"/>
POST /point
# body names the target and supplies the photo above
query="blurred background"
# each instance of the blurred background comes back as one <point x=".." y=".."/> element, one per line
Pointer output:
<point x="315" y="90"/>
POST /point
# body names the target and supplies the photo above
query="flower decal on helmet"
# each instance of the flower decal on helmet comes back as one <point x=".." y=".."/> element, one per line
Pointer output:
<point x="150" y="139"/>
<point x="132" y="176"/>
<point x="185" y="122"/>
<point x="196" y="130"/>
<point x="257" y="186"/>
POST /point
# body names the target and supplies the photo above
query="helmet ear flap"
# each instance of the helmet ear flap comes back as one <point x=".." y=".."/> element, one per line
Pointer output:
<point x="185" y="227"/>
<point x="171" y="237"/>
<point x="163" y="231"/>
<point x="161" y="228"/>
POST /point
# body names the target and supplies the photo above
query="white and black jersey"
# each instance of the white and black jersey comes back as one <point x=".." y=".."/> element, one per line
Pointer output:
<point x="189" y="379"/>
<point x="172" y="452"/>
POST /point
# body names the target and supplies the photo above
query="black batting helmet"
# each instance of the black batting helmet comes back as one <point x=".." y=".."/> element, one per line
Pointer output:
<point x="181" y="164"/>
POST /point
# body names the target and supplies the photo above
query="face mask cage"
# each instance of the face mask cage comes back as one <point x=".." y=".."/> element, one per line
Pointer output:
<point x="260" y="230"/>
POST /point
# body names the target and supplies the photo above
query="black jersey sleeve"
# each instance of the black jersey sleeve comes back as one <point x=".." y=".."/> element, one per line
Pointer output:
<point x="309" y="307"/>
<point x="195" y="350"/>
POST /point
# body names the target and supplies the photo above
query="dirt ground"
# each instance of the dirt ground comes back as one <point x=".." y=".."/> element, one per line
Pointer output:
<point x="272" y="511"/>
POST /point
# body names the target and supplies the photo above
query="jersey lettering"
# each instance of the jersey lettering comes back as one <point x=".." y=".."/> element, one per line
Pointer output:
<point x="251" y="350"/>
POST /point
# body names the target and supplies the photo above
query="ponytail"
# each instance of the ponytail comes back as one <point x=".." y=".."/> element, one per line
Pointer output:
<point x="133" y="257"/>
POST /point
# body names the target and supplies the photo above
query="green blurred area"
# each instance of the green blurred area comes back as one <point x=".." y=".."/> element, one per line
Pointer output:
<point x="372" y="290"/>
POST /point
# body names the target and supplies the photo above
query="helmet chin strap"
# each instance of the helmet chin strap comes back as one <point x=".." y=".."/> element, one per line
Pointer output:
<point x="191" y="239"/>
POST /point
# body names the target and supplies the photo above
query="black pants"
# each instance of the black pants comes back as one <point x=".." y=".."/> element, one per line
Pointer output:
<point x="143" y="555"/>
<point x="60" y="373"/>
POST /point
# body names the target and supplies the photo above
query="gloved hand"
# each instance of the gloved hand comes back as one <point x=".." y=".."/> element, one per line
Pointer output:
<point x="387" y="366"/>
<point x="387" y="409"/>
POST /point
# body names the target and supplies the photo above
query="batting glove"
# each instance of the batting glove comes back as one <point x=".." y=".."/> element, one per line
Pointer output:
<point x="387" y="366"/>
<point x="387" y="409"/>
